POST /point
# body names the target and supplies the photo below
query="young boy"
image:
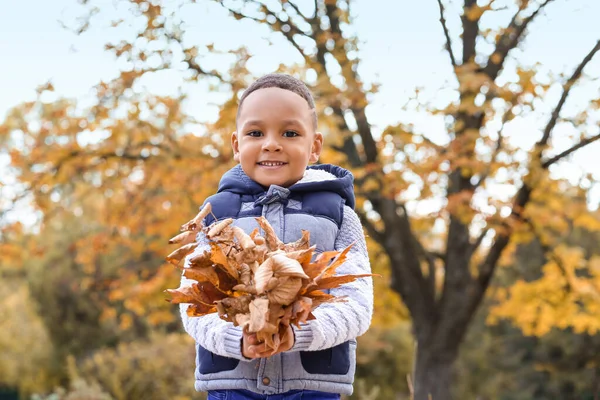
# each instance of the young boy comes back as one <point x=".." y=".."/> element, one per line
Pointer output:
<point x="275" y="141"/>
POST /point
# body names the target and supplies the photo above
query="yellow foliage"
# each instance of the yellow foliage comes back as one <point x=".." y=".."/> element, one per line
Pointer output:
<point x="560" y="298"/>
<point x="26" y="350"/>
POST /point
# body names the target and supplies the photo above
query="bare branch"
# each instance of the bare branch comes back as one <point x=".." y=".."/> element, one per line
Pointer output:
<point x="570" y="150"/>
<point x="297" y="10"/>
<point x="486" y="270"/>
<point x="447" y="34"/>
<point x="470" y="32"/>
<point x="288" y="33"/>
<point x="479" y="240"/>
<point x="407" y="276"/>
<point x="352" y="80"/>
<point x="487" y="267"/>
<point x="349" y="147"/>
<point x="566" y="90"/>
<point x="509" y="40"/>
<point x="499" y="145"/>
<point x="191" y="62"/>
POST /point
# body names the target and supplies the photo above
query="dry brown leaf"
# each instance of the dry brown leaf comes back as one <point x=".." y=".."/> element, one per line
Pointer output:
<point x="259" y="310"/>
<point x="195" y="223"/>
<point x="179" y="254"/>
<point x="285" y="292"/>
<point x="226" y="281"/>
<point x="243" y="239"/>
<point x="331" y="282"/>
<point x="242" y="320"/>
<point x="273" y="282"/>
<point x="301" y="244"/>
<point x="245" y="274"/>
<point x="183" y="294"/>
<point x="284" y="266"/>
<point x="245" y="288"/>
<point x="201" y="293"/>
<point x="337" y="261"/>
<point x="198" y="310"/>
<point x="230" y="307"/>
<point x="218" y="228"/>
<point x="218" y="257"/>
<point x="263" y="274"/>
<point x="201" y="260"/>
<point x="184" y="238"/>
<point x="321" y="262"/>
<point x="202" y="274"/>
<point x="271" y="238"/>
<point x="302" y="256"/>
<point x="301" y="309"/>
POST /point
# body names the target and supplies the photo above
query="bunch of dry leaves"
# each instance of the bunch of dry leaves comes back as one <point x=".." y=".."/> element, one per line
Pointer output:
<point x="256" y="282"/>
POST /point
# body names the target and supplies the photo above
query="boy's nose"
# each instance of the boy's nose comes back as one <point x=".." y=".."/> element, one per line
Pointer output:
<point x="271" y="144"/>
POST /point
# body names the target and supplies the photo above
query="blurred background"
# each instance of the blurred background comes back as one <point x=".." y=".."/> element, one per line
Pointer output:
<point x="471" y="128"/>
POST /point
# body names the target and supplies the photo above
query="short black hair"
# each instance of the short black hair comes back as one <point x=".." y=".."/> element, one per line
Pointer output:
<point x="281" y="81"/>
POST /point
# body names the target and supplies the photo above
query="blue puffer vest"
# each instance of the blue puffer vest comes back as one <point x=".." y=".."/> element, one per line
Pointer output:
<point x="316" y="206"/>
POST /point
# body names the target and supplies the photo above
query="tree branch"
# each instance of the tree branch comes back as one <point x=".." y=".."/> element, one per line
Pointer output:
<point x="407" y="276"/>
<point x="191" y="62"/>
<point x="509" y="40"/>
<point x="479" y="240"/>
<point x="447" y="34"/>
<point x="487" y="267"/>
<point x="357" y="106"/>
<point x="570" y="150"/>
<point x="499" y="145"/>
<point x="470" y="32"/>
<point x="566" y="90"/>
<point x="297" y="10"/>
<point x="289" y="34"/>
<point x="349" y="147"/>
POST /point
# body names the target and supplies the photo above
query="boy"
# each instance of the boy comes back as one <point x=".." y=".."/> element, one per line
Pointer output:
<point x="276" y="139"/>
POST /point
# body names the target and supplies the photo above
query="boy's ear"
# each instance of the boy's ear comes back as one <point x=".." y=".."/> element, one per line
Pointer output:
<point x="235" y="146"/>
<point x="316" y="148"/>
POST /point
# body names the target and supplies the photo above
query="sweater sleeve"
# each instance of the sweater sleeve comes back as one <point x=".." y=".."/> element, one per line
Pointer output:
<point x="339" y="322"/>
<point x="210" y="331"/>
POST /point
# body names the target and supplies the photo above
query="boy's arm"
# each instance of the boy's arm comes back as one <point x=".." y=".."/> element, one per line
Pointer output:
<point x="339" y="322"/>
<point x="210" y="331"/>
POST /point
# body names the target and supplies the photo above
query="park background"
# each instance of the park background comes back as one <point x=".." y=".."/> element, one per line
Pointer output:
<point x="470" y="127"/>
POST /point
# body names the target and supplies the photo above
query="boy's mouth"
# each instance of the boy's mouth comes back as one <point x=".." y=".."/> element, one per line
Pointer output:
<point x="271" y="163"/>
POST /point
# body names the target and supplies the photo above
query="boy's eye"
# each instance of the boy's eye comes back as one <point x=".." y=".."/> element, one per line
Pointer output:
<point x="254" y="133"/>
<point x="290" y="134"/>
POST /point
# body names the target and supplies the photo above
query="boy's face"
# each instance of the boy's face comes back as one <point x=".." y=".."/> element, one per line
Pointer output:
<point x="276" y="139"/>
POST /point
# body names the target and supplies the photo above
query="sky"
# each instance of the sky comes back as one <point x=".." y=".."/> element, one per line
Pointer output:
<point x="401" y="48"/>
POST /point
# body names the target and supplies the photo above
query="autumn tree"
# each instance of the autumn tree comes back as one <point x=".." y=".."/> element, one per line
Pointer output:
<point x="504" y="359"/>
<point x="136" y="150"/>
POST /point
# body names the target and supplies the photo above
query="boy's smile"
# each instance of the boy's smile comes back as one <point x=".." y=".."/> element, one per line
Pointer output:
<point x="276" y="138"/>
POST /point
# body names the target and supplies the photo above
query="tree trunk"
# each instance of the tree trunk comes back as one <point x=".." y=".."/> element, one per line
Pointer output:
<point x="432" y="374"/>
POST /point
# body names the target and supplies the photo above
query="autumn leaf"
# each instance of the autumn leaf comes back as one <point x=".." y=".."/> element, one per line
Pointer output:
<point x="184" y="238"/>
<point x="193" y="225"/>
<point x="176" y="256"/>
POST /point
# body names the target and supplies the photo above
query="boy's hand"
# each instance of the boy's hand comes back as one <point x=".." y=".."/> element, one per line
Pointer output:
<point x="252" y="348"/>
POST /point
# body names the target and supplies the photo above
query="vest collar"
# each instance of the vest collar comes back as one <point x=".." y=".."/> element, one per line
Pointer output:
<point x="322" y="177"/>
